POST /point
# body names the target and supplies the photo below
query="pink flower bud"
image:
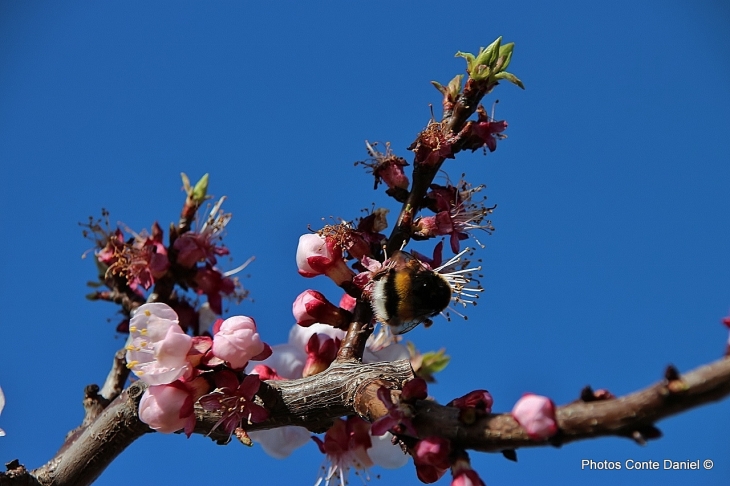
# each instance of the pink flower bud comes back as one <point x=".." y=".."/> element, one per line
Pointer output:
<point x="536" y="414"/>
<point x="311" y="307"/>
<point x="167" y="408"/>
<point x="321" y="352"/>
<point x="321" y="256"/>
<point x="237" y="341"/>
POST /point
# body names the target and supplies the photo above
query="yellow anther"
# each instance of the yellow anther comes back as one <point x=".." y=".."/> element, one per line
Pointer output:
<point x="147" y="313"/>
<point x="143" y="344"/>
<point x="132" y="328"/>
<point x="143" y="332"/>
<point x="132" y="364"/>
<point x="129" y="347"/>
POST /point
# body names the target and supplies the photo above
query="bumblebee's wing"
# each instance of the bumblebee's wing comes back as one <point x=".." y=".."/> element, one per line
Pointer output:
<point x="404" y="327"/>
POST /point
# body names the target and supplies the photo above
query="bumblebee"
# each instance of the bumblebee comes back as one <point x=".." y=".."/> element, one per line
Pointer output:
<point x="406" y="293"/>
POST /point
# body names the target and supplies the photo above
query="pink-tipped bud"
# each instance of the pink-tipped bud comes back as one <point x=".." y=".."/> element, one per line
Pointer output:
<point x="321" y="352"/>
<point x="322" y="256"/>
<point x="237" y="341"/>
<point x="536" y="414"/>
<point x="311" y="307"/>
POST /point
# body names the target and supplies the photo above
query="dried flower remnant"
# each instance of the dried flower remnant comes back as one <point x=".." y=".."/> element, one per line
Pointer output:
<point x="388" y="168"/>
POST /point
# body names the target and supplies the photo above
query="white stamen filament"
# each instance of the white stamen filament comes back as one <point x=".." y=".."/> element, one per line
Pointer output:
<point x="239" y="268"/>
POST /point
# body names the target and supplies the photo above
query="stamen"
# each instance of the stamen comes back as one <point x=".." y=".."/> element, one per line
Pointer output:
<point x="238" y="269"/>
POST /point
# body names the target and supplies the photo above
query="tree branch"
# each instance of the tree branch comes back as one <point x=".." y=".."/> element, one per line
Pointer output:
<point x="622" y="416"/>
<point x="350" y="387"/>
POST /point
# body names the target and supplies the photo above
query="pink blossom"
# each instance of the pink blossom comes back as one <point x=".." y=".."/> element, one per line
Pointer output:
<point x="322" y="256"/>
<point x="213" y="284"/>
<point x="168" y="408"/>
<point x="280" y="442"/>
<point x="237" y="341"/>
<point x="234" y="401"/>
<point x="299" y="336"/>
<point x="195" y="247"/>
<point x="311" y="307"/>
<point x="345" y="445"/>
<point x="391" y="352"/>
<point x="431" y="458"/>
<point x="200" y="246"/>
<point x="287" y="359"/>
<point x="158" y="350"/>
<point x="386" y="454"/>
<point x="457" y="215"/>
<point x="536" y="414"/>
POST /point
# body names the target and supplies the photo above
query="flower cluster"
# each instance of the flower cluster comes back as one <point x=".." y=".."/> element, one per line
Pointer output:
<point x="172" y="351"/>
<point x="133" y="264"/>
<point x="181" y="370"/>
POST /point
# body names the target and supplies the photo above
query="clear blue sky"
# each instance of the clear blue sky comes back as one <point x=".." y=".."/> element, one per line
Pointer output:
<point x="610" y="259"/>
